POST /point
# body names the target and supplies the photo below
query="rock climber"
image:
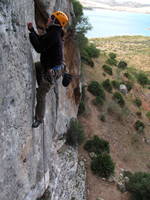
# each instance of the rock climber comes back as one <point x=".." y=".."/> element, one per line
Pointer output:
<point x="51" y="65"/>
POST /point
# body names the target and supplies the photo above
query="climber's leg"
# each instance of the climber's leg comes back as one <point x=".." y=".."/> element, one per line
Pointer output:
<point x="44" y="87"/>
<point x="39" y="72"/>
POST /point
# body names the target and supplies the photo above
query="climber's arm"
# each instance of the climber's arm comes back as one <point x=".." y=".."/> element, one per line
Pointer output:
<point x="34" y="38"/>
<point x="35" y="42"/>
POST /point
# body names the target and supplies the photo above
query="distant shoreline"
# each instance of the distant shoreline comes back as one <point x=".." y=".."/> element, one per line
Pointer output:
<point x="120" y="36"/>
<point x="131" y="10"/>
<point x="97" y="4"/>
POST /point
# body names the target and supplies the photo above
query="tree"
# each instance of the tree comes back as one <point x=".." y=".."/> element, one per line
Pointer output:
<point x="80" y="24"/>
<point x="79" y="27"/>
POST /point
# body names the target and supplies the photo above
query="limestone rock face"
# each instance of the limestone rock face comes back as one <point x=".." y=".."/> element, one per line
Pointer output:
<point x="30" y="160"/>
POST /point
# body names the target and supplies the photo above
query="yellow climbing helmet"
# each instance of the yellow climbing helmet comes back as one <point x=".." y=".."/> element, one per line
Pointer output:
<point x="61" y="17"/>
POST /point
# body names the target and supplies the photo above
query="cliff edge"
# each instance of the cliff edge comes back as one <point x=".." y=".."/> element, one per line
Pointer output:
<point x="35" y="161"/>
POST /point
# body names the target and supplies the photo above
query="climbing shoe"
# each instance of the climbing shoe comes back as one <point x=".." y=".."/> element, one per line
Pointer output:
<point x="36" y="123"/>
<point x="67" y="78"/>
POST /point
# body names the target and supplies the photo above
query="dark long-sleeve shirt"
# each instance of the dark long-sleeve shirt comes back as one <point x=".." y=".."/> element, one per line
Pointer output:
<point x="49" y="45"/>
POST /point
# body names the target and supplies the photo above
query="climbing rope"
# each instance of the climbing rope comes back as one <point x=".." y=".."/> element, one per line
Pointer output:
<point x="44" y="156"/>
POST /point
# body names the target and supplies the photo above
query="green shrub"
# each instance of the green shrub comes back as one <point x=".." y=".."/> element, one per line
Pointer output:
<point x="137" y="102"/>
<point x="97" y="145"/>
<point x="129" y="85"/>
<point x="112" y="55"/>
<point x="103" y="118"/>
<point x="122" y="64"/>
<point x="127" y="174"/>
<point x="107" y="69"/>
<point x="148" y="114"/>
<point x="83" y="93"/>
<point x="107" y="85"/>
<point x="118" y="98"/>
<point x="78" y="29"/>
<point x="102" y="165"/>
<point x="88" y="52"/>
<point x="85" y="58"/>
<point x="115" y="84"/>
<point x="142" y="79"/>
<point x="111" y="61"/>
<point x="139" y="186"/>
<point x="127" y="75"/>
<point x="139" y="126"/>
<point x="98" y="101"/>
<point x="139" y="114"/>
<point x="96" y="89"/>
<point x="92" y="51"/>
<point x="81" y="108"/>
<point x="75" y="134"/>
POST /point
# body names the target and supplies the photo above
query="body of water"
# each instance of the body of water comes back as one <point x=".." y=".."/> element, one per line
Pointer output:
<point x="107" y="23"/>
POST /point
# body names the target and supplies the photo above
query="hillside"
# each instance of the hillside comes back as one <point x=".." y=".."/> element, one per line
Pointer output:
<point x="134" y="49"/>
<point x="129" y="148"/>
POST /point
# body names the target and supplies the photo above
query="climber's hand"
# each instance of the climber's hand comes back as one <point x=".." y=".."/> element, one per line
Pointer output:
<point x="30" y="26"/>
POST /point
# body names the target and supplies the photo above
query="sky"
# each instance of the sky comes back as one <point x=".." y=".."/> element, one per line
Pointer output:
<point x="138" y="1"/>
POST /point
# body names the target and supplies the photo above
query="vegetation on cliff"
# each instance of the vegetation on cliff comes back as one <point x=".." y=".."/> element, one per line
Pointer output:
<point x="80" y="26"/>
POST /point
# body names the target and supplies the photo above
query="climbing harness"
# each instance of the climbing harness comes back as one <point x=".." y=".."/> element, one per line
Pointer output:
<point x="53" y="74"/>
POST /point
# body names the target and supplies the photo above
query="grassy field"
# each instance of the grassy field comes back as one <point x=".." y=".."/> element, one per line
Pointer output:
<point x="135" y="50"/>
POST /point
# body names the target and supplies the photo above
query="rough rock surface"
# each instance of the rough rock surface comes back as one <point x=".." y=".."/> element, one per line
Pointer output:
<point x="30" y="159"/>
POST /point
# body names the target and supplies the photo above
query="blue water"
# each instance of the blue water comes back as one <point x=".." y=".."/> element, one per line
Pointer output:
<point x="112" y="23"/>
